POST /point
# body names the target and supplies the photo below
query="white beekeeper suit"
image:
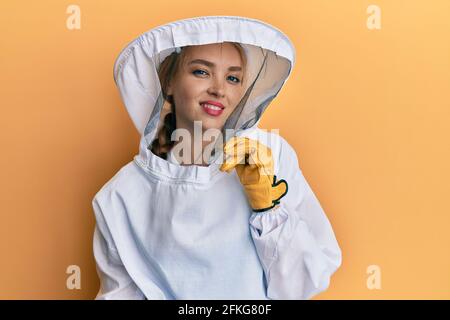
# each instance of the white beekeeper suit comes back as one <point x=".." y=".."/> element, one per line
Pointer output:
<point x="167" y="231"/>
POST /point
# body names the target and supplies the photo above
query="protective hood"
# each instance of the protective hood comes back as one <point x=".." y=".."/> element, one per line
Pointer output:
<point x="269" y="53"/>
<point x="168" y="231"/>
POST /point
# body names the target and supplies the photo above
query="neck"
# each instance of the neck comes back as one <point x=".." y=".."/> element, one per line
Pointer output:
<point x="197" y="148"/>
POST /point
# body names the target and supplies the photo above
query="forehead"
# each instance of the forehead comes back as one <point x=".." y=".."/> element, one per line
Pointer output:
<point x="217" y="53"/>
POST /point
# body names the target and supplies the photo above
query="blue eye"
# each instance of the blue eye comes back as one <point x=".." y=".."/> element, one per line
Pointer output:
<point x="236" y="79"/>
<point x="198" y="72"/>
<point x="194" y="72"/>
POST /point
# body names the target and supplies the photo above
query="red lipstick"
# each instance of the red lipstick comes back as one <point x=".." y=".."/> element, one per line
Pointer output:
<point x="213" y="108"/>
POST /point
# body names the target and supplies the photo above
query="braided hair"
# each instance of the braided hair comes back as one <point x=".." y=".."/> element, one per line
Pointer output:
<point x="168" y="68"/>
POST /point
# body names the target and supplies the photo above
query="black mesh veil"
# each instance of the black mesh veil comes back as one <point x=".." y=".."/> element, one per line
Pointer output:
<point x="266" y="72"/>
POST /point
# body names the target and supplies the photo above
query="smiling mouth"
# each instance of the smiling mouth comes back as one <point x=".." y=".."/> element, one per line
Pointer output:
<point x="211" y="109"/>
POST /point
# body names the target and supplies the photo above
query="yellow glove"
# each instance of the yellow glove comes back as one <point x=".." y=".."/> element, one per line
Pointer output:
<point x="254" y="165"/>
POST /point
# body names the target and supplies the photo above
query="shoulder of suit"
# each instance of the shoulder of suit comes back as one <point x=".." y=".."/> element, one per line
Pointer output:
<point x="126" y="179"/>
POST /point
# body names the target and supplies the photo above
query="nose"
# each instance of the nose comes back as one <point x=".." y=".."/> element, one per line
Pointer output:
<point x="216" y="88"/>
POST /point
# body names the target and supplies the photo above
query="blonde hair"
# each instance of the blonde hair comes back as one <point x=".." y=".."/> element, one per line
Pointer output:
<point x="168" y="69"/>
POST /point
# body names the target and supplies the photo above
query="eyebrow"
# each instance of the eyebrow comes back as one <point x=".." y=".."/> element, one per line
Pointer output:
<point x="212" y="65"/>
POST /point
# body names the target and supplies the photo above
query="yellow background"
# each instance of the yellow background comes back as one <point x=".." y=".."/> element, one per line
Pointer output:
<point x="366" y="110"/>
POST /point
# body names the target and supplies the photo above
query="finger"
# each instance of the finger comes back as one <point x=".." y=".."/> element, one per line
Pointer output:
<point x="236" y="146"/>
<point x="261" y="156"/>
<point x="228" y="166"/>
<point x="234" y="151"/>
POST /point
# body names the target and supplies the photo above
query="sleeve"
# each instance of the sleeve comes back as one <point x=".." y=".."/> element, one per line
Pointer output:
<point x="295" y="241"/>
<point x="115" y="282"/>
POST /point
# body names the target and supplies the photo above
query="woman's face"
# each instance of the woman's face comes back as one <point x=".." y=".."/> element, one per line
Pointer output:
<point x="210" y="73"/>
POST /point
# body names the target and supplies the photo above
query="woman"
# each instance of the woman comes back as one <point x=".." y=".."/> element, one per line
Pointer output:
<point x="236" y="221"/>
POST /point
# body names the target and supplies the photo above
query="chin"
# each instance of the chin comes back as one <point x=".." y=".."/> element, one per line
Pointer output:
<point x="211" y="124"/>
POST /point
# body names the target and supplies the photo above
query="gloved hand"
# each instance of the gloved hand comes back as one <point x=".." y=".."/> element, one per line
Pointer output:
<point x="254" y="165"/>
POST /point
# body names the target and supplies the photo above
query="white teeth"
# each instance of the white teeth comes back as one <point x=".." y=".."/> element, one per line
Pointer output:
<point x="210" y="106"/>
